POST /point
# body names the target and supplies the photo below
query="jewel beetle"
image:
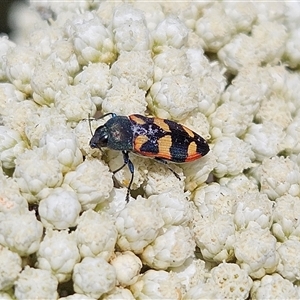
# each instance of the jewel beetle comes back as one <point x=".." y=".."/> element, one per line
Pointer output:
<point x="161" y="139"/>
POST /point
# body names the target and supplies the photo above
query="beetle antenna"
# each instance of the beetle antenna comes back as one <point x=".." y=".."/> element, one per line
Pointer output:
<point x="90" y="124"/>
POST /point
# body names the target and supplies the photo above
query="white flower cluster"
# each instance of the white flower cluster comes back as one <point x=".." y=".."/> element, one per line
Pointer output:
<point x="230" y="228"/>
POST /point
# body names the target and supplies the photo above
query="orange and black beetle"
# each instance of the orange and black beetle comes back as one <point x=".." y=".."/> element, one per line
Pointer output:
<point x="161" y="139"/>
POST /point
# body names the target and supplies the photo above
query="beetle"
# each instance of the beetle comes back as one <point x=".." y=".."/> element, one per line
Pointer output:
<point x="161" y="139"/>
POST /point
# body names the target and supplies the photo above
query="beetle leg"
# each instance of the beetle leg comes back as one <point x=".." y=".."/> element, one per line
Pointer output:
<point x="128" y="162"/>
<point x="116" y="171"/>
<point x="131" y="169"/>
<point x="160" y="160"/>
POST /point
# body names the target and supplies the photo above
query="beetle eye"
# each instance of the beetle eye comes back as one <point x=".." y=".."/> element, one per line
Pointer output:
<point x="103" y="141"/>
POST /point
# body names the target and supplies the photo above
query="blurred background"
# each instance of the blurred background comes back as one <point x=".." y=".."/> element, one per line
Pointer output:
<point x="4" y="10"/>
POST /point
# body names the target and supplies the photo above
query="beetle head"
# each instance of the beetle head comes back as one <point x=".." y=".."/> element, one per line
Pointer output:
<point x="99" y="138"/>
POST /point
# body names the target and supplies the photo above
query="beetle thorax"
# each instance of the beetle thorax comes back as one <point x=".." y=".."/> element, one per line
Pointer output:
<point x="120" y="135"/>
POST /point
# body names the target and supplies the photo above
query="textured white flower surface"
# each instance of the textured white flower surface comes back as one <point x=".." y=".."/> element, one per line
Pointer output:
<point x="230" y="228"/>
